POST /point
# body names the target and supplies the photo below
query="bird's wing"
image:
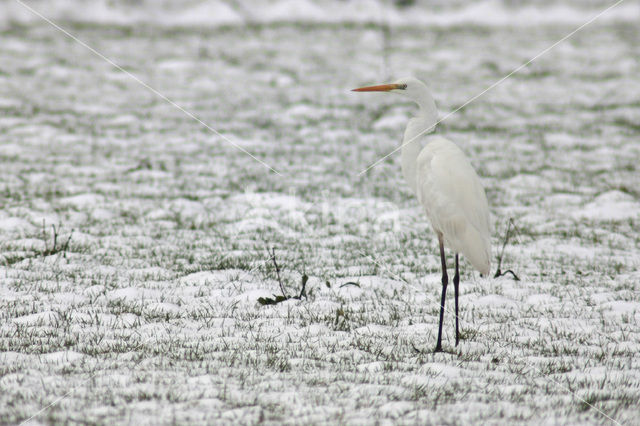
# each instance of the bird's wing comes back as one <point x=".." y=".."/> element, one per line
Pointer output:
<point x="454" y="199"/>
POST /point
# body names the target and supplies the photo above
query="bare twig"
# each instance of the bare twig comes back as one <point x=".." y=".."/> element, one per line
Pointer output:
<point x="54" y="232"/>
<point x="55" y="248"/>
<point x="65" y="246"/>
<point x="44" y="238"/>
<point x="272" y="253"/>
<point x="303" y="290"/>
<point x="499" y="273"/>
<point x="278" y="299"/>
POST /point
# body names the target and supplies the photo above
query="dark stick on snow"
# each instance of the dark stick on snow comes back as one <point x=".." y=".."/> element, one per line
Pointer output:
<point x="273" y="258"/>
<point x="499" y="273"/>
<point x="303" y="290"/>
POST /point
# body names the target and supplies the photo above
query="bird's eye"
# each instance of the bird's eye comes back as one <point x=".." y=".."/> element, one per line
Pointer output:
<point x="402" y="86"/>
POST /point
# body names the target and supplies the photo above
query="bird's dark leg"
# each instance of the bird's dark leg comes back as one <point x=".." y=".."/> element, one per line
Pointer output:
<point x="456" y="282"/>
<point x="445" y="281"/>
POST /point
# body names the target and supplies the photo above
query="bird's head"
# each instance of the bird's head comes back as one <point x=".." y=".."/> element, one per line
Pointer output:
<point x="408" y="87"/>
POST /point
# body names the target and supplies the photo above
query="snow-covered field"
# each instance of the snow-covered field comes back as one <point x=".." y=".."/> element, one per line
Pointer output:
<point x="144" y="309"/>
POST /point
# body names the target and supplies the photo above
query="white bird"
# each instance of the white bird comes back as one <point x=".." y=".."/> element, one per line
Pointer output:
<point x="446" y="185"/>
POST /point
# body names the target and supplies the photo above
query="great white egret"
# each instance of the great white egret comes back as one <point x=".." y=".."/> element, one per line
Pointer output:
<point x="446" y="185"/>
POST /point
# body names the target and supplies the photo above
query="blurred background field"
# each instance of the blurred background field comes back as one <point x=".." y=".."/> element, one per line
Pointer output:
<point x="141" y="305"/>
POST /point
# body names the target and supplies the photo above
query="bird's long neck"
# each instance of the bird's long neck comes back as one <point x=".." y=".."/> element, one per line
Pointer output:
<point x="423" y="123"/>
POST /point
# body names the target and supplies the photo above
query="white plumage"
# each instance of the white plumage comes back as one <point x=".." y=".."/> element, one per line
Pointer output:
<point x="446" y="185"/>
<point x="454" y="200"/>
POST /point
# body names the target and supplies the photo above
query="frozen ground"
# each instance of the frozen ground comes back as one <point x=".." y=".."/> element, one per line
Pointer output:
<point x="145" y="309"/>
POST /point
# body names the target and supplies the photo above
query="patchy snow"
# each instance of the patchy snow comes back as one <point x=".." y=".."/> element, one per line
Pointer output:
<point x="541" y="299"/>
<point x="82" y="201"/>
<point x="612" y="205"/>
<point x="620" y="307"/>
<point x="41" y="318"/>
<point x="10" y="150"/>
<point x="441" y="370"/>
<point x="163" y="309"/>
<point x="15" y="225"/>
<point x="391" y="121"/>
<point x="371" y="367"/>
<point x="132" y="294"/>
<point x="151" y="312"/>
<point x="494" y="301"/>
<point x="62" y="357"/>
<point x="395" y="410"/>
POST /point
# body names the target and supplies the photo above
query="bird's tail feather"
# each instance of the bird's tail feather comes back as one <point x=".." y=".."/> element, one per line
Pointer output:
<point x="477" y="249"/>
